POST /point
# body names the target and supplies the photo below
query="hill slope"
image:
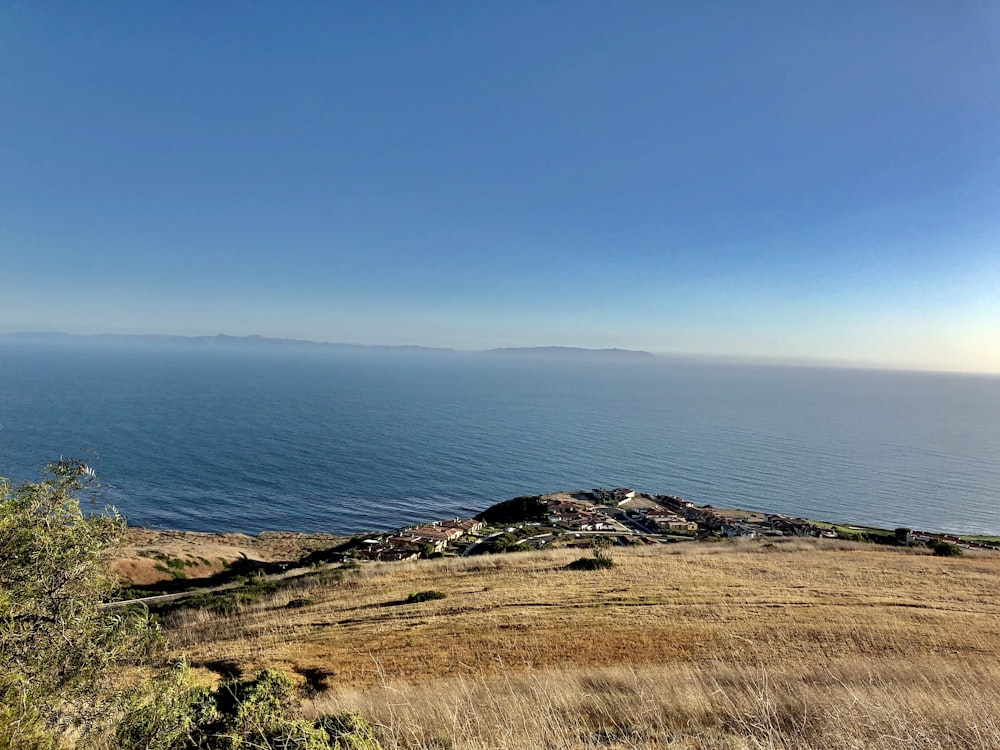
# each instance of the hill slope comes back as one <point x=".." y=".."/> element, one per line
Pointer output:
<point x="793" y="644"/>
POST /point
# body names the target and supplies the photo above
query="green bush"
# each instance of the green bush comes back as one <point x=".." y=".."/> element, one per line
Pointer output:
<point x="176" y="573"/>
<point x="510" y="542"/>
<point x="601" y="559"/>
<point x="349" y="731"/>
<point x="591" y="563"/>
<point x="60" y="651"/>
<point x="259" y="713"/>
<point x="62" y="655"/>
<point x="945" y="549"/>
<point x="424" y="596"/>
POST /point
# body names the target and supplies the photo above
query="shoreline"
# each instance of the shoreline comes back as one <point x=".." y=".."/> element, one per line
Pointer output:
<point x="581" y="518"/>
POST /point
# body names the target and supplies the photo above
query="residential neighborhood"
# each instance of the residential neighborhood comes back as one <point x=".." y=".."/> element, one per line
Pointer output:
<point x="619" y="516"/>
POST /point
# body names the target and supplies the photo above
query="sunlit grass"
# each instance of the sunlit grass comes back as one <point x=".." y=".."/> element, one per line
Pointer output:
<point x="794" y="644"/>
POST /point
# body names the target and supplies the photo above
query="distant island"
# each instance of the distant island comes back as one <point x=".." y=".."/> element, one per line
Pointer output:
<point x="225" y="341"/>
<point x="572" y="352"/>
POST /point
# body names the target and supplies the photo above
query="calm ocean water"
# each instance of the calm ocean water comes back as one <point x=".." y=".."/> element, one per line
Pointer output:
<point x="211" y="440"/>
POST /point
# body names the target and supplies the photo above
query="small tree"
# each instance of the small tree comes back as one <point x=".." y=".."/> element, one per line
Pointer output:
<point x="64" y="658"/>
<point x="601" y="557"/>
<point x="68" y="663"/>
<point x="945" y="549"/>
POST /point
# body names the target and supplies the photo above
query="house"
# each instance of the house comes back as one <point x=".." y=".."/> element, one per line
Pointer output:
<point x="468" y="526"/>
<point x="675" y="503"/>
<point x="670" y="522"/>
<point x="738" y="530"/>
<point x="564" y="506"/>
<point x="435" y="531"/>
<point x="587" y="522"/>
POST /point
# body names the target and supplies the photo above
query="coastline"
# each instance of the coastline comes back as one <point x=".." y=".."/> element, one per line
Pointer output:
<point x="168" y="559"/>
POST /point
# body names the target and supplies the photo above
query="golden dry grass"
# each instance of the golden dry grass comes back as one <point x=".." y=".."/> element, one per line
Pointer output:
<point x="140" y="560"/>
<point x="724" y="645"/>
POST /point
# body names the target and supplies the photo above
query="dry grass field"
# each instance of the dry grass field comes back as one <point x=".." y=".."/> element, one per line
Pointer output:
<point x="753" y="645"/>
<point x="144" y="558"/>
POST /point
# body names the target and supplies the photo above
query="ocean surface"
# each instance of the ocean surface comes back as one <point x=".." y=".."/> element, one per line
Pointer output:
<point x="252" y="440"/>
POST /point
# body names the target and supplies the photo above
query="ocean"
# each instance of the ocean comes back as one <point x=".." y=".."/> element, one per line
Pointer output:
<point x="251" y="440"/>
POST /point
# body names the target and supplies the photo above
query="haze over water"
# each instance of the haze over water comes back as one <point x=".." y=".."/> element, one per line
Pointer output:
<point x="254" y="440"/>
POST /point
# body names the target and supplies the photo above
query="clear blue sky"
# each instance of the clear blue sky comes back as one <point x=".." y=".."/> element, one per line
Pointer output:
<point x="793" y="179"/>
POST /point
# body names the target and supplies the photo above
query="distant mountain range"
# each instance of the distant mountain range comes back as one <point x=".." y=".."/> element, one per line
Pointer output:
<point x="223" y="341"/>
<point x="572" y="352"/>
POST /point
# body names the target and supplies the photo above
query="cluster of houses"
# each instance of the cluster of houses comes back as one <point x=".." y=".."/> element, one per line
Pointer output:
<point x="664" y="520"/>
<point x="927" y="536"/>
<point x="411" y="542"/>
<point x="706" y="516"/>
<point x="773" y="524"/>
<point x="797" y="526"/>
<point x="569" y="514"/>
<point x="670" y="514"/>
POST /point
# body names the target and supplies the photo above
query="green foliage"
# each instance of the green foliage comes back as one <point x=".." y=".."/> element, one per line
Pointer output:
<point x="510" y="541"/>
<point x="59" y="649"/>
<point x="591" y="563"/>
<point x="894" y="538"/>
<point x="424" y="596"/>
<point x="515" y="510"/>
<point x="600" y="560"/>
<point x="945" y="549"/>
<point x="349" y="731"/>
<point x="77" y="673"/>
<point x="231" y="601"/>
<point x="259" y="713"/>
<point x="175" y="573"/>
<point x="174" y="566"/>
<point x="880" y="536"/>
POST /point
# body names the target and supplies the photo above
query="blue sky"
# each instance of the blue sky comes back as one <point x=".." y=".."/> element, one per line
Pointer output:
<point x="791" y="180"/>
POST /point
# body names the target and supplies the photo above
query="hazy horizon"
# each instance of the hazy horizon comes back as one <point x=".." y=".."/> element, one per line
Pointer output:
<point x="778" y="182"/>
<point x="249" y="339"/>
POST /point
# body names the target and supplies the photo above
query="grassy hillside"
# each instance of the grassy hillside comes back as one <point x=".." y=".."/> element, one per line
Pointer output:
<point x="788" y="644"/>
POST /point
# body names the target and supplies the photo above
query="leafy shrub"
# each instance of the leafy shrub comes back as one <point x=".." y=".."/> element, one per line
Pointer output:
<point x="259" y="713"/>
<point x="62" y="655"/>
<point x="591" y="563"/>
<point x="510" y="542"/>
<point x="349" y="731"/>
<point x="945" y="549"/>
<point x="176" y="573"/>
<point x="60" y="652"/>
<point x="424" y="596"/>
<point x="601" y="559"/>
